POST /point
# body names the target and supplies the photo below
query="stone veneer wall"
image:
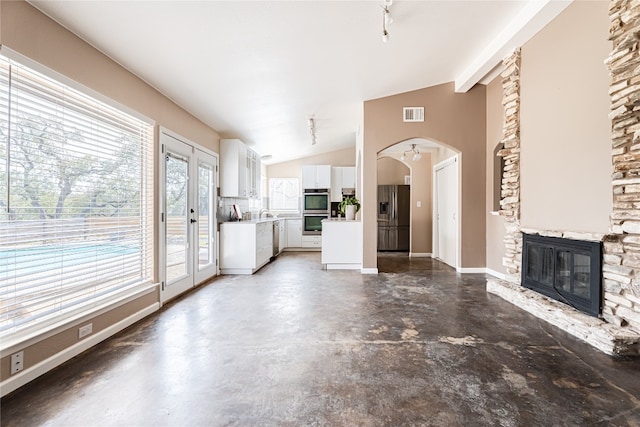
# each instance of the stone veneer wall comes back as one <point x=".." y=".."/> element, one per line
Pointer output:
<point x="622" y="247"/>
<point x="619" y="333"/>
<point x="510" y="193"/>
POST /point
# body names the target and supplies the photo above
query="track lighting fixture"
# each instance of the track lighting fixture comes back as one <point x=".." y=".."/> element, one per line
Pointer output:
<point x="312" y="129"/>
<point x="413" y="150"/>
<point x="386" y="19"/>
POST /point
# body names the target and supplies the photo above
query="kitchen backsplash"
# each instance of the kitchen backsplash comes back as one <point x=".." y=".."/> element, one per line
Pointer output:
<point x="250" y="208"/>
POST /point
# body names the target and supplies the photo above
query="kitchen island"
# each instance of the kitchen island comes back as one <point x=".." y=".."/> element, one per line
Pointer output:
<point x="341" y="244"/>
<point x="246" y="246"/>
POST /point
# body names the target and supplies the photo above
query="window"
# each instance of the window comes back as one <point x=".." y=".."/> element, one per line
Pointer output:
<point x="75" y="203"/>
<point x="284" y="194"/>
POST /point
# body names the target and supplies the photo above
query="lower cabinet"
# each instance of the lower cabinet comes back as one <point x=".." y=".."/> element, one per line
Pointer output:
<point x="245" y="246"/>
<point x="294" y="233"/>
<point x="312" y="242"/>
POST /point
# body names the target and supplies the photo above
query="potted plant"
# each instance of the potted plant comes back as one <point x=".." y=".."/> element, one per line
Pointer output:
<point x="349" y="206"/>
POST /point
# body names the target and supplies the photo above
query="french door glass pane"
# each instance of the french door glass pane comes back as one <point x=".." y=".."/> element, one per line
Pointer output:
<point x="176" y="199"/>
<point x="205" y="201"/>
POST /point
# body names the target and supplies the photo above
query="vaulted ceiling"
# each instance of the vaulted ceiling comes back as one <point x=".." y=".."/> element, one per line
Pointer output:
<point x="256" y="70"/>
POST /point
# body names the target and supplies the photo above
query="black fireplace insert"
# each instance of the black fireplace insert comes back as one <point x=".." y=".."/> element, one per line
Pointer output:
<point x="566" y="270"/>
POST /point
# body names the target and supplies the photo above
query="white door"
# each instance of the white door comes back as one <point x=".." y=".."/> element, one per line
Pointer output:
<point x="205" y="247"/>
<point x="446" y="179"/>
<point x="187" y="215"/>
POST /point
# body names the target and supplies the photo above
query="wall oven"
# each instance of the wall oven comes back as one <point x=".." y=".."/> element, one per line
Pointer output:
<point x="316" y="207"/>
<point x="312" y="224"/>
<point x="316" y="201"/>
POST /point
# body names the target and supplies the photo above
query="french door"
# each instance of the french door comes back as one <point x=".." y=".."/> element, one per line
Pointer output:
<point x="187" y="215"/>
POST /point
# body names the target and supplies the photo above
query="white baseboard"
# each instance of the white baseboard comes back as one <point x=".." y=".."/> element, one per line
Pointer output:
<point x="471" y="270"/>
<point x="497" y="274"/>
<point x="369" y="270"/>
<point x="420" y="255"/>
<point x="343" y="266"/>
<point x="29" y="374"/>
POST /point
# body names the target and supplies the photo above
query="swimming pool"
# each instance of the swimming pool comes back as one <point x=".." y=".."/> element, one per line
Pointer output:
<point x="43" y="259"/>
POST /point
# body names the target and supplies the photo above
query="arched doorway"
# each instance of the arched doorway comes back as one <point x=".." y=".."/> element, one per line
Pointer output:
<point x="418" y="157"/>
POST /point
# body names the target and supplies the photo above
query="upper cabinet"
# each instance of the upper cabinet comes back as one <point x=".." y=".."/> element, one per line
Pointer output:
<point x="239" y="170"/>
<point x="253" y="174"/>
<point x="341" y="177"/>
<point x="316" y="176"/>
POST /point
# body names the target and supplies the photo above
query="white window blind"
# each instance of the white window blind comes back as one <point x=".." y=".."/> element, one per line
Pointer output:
<point x="284" y="194"/>
<point x="75" y="202"/>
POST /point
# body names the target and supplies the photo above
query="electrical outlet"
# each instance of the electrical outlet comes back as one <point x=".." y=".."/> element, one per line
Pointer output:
<point x="85" y="330"/>
<point x="17" y="362"/>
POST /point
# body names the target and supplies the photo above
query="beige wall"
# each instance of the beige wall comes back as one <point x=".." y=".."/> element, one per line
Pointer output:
<point x="495" y="224"/>
<point x="453" y="119"/>
<point x="566" y="149"/>
<point x="391" y="170"/>
<point x="293" y="168"/>
<point x="29" y="33"/>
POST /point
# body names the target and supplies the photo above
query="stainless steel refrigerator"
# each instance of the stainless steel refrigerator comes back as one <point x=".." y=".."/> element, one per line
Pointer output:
<point x="393" y="217"/>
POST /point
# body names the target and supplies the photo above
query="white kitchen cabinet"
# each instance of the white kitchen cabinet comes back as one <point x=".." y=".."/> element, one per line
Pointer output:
<point x="245" y="246"/>
<point x="341" y="177"/>
<point x="233" y="168"/>
<point x="253" y="174"/>
<point x="316" y="176"/>
<point x="312" y="242"/>
<point x="282" y="229"/>
<point x="349" y="177"/>
<point x="239" y="170"/>
<point x="294" y="233"/>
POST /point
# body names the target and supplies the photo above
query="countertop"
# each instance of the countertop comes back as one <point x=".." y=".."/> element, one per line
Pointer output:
<point x="340" y="220"/>
<point x="259" y="220"/>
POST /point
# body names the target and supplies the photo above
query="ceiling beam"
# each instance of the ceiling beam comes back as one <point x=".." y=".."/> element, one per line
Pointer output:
<point x="532" y="18"/>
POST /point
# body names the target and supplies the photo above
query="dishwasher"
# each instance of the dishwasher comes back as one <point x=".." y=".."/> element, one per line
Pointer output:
<point x="276" y="238"/>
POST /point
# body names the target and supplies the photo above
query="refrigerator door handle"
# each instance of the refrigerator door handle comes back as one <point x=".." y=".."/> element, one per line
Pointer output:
<point x="395" y="205"/>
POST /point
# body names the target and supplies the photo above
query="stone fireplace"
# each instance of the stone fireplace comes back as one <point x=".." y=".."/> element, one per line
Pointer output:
<point x="610" y="321"/>
<point x="565" y="270"/>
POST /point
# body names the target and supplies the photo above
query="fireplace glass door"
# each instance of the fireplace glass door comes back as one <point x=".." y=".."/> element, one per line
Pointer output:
<point x="564" y="269"/>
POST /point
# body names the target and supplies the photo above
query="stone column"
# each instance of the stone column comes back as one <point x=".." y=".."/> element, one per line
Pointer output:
<point x="510" y="195"/>
<point x="622" y="247"/>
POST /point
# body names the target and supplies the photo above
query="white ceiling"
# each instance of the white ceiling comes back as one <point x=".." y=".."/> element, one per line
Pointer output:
<point x="256" y="70"/>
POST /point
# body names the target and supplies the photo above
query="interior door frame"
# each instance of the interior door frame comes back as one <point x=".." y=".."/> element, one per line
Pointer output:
<point x="452" y="161"/>
<point x="160" y="206"/>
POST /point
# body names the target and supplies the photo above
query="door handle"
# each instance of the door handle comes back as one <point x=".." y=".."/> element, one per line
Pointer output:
<point x="193" y="220"/>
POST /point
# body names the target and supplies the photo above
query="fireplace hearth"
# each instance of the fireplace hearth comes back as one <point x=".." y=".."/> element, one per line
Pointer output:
<point x="569" y="271"/>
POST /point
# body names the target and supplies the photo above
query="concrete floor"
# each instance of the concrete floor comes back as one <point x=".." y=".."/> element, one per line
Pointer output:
<point x="295" y="345"/>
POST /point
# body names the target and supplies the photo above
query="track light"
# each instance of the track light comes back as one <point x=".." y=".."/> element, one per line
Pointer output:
<point x="312" y="129"/>
<point x="413" y="150"/>
<point x="386" y="19"/>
